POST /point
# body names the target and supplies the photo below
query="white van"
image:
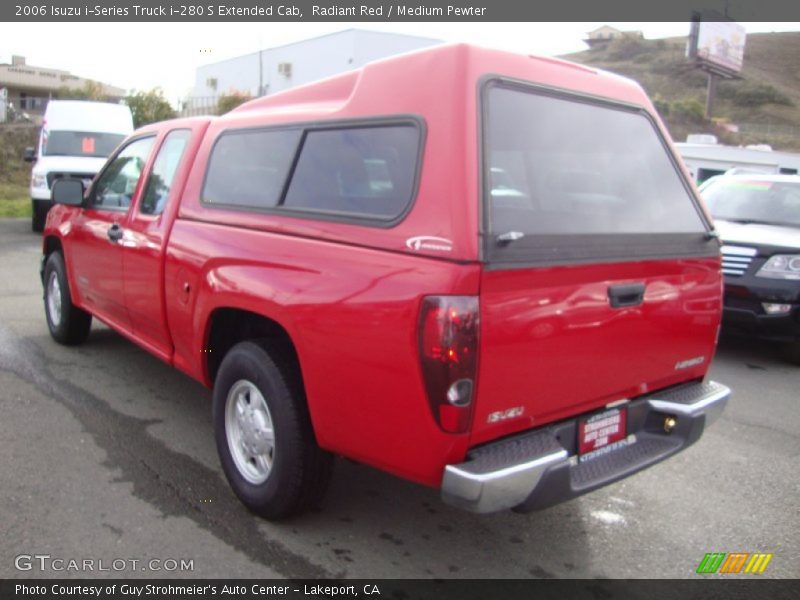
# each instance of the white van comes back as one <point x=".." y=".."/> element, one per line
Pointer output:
<point x="76" y="138"/>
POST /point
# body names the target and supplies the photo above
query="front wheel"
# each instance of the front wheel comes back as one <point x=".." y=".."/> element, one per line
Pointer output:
<point x="263" y="432"/>
<point x="67" y="323"/>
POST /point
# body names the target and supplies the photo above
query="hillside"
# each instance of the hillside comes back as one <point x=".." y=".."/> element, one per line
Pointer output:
<point x="764" y="104"/>
<point x="15" y="172"/>
<point x="13" y="141"/>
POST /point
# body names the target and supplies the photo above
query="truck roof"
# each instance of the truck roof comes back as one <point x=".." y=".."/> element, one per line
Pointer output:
<point x="446" y="65"/>
<point x="174" y="124"/>
<point x="439" y="90"/>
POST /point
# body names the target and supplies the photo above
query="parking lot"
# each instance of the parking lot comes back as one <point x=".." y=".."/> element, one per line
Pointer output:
<point x="109" y="454"/>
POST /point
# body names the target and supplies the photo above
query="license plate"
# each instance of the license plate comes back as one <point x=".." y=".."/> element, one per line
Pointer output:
<point x="602" y="429"/>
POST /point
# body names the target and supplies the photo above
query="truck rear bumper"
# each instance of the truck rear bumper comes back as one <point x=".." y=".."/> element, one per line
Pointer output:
<point x="537" y="469"/>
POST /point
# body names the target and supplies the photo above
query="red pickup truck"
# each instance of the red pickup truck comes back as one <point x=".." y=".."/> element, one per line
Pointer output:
<point x="484" y="272"/>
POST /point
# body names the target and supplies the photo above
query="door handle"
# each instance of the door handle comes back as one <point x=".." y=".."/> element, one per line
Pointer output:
<point x="115" y="232"/>
<point x="630" y="294"/>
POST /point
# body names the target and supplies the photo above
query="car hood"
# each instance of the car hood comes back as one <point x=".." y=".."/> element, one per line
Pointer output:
<point x="68" y="164"/>
<point x="756" y="234"/>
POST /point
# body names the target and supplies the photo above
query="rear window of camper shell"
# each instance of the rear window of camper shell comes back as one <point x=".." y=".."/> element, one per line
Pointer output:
<point x="569" y="178"/>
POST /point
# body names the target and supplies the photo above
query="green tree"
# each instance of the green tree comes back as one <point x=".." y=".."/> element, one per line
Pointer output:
<point x="91" y="90"/>
<point x="149" y="107"/>
<point x="227" y="102"/>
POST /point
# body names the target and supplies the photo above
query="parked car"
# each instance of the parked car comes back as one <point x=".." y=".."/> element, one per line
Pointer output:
<point x="76" y="138"/>
<point x="335" y="262"/>
<point x="758" y="218"/>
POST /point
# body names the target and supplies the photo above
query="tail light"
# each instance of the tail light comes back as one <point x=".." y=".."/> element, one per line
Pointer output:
<point x="448" y="348"/>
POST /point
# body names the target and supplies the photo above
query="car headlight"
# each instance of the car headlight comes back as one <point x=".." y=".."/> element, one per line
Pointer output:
<point x="781" y="266"/>
<point x="38" y="181"/>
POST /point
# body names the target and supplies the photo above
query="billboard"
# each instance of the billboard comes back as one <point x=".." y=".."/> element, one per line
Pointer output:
<point x="719" y="45"/>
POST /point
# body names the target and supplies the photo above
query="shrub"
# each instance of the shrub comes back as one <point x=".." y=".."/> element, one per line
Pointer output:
<point x="91" y="90"/>
<point x="627" y="47"/>
<point x="757" y="94"/>
<point x="690" y="108"/>
<point x="227" y="102"/>
<point x="149" y="107"/>
<point x="662" y="105"/>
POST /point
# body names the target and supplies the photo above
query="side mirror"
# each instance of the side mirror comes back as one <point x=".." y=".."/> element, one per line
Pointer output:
<point x="30" y="154"/>
<point x="68" y="191"/>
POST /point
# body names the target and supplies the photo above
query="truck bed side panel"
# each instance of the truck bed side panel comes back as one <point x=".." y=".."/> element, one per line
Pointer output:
<point x="354" y="327"/>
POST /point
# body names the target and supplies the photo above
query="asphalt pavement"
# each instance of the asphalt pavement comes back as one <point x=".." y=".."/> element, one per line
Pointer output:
<point x="108" y="455"/>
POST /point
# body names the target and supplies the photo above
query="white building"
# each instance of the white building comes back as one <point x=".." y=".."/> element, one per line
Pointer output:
<point x="602" y="36"/>
<point x="704" y="160"/>
<point x="276" y="69"/>
<point x="27" y="88"/>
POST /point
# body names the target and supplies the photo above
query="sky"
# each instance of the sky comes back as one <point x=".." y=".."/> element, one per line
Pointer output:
<point x="141" y="56"/>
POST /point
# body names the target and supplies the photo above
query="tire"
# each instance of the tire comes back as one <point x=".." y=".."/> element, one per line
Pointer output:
<point x="39" y="217"/>
<point x="259" y="390"/>
<point x="68" y="324"/>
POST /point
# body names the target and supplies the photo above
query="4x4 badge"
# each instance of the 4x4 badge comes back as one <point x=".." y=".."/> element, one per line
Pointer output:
<point x="429" y="242"/>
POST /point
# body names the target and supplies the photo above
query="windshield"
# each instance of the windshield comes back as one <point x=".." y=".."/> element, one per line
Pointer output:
<point x="80" y="143"/>
<point x="754" y="201"/>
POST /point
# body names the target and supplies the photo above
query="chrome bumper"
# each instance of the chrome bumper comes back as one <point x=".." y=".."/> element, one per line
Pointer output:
<point x="709" y="402"/>
<point x="512" y="472"/>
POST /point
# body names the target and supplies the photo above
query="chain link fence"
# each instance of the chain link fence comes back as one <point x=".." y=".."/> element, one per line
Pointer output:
<point x="21" y="109"/>
<point x="769" y="130"/>
<point x="199" y="106"/>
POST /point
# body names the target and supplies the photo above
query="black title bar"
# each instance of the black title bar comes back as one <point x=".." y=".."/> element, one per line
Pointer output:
<point x="389" y="11"/>
<point x="734" y="588"/>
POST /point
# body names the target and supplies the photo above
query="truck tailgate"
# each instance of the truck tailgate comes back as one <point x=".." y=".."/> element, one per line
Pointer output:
<point x="552" y="344"/>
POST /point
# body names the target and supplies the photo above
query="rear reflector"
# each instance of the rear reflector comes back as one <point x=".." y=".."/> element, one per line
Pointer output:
<point x="448" y="347"/>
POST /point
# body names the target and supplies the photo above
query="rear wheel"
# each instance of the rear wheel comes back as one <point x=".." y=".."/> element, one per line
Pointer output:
<point x="67" y="323"/>
<point x="263" y="432"/>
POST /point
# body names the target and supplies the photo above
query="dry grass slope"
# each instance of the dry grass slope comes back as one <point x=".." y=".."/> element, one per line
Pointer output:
<point x="767" y="97"/>
<point x="14" y="172"/>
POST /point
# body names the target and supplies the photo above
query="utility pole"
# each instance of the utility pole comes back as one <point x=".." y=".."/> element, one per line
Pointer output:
<point x="260" y="73"/>
<point x="711" y="93"/>
<point x="260" y="64"/>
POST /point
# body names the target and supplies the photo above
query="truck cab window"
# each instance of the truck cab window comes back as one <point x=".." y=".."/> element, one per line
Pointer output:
<point x="164" y="168"/>
<point x="115" y="187"/>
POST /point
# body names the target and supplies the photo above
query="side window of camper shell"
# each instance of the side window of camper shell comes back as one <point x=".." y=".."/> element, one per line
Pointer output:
<point x="363" y="171"/>
<point x="248" y="168"/>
